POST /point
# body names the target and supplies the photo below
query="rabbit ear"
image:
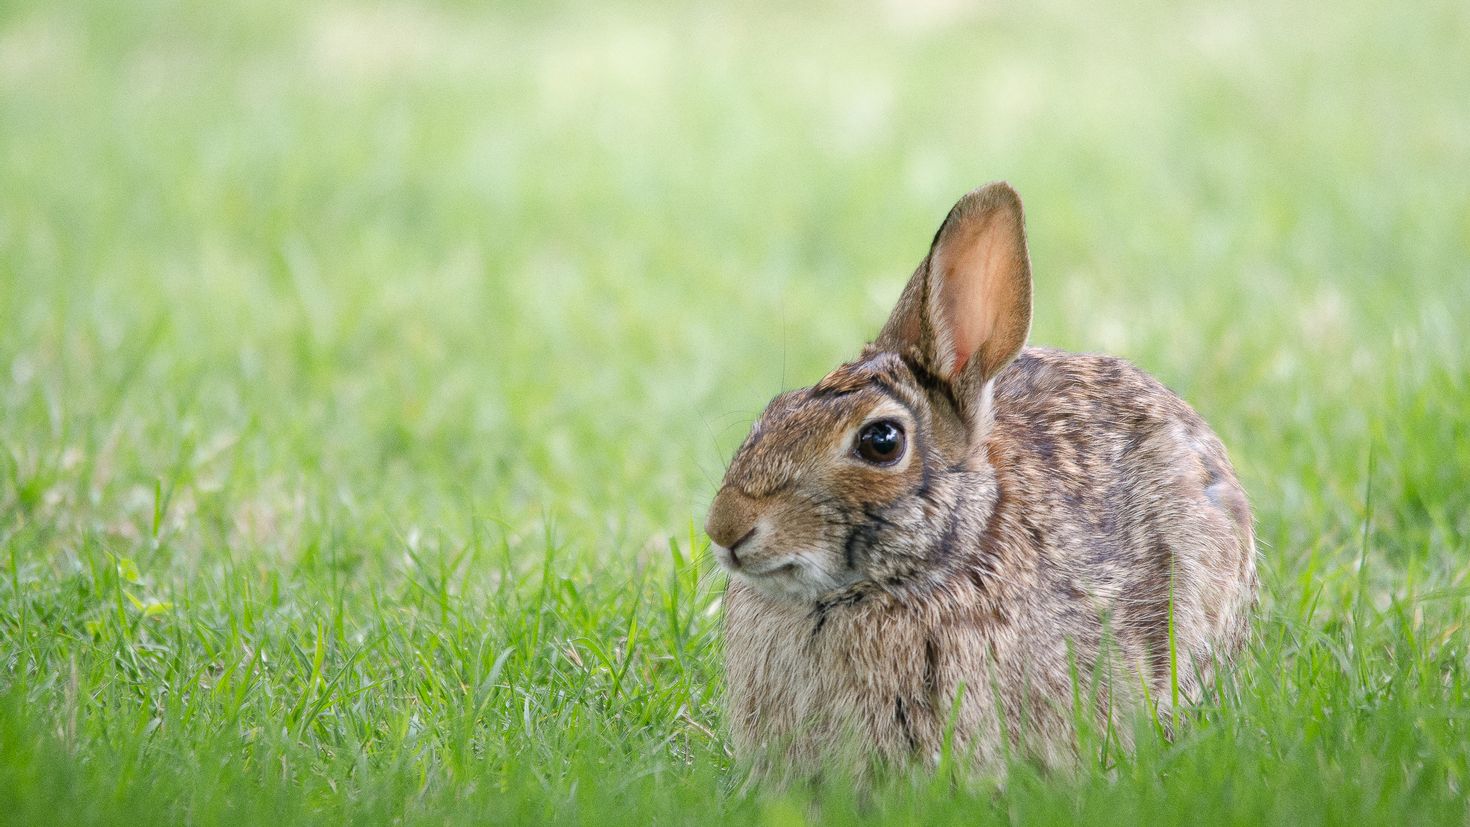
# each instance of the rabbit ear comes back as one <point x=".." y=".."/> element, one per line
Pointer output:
<point x="967" y="309"/>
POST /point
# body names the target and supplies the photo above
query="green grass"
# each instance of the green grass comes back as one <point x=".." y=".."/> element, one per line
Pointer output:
<point x="365" y="372"/>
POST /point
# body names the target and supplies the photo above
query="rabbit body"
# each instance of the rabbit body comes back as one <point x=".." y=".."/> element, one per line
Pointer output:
<point x="1101" y="481"/>
<point x="955" y="540"/>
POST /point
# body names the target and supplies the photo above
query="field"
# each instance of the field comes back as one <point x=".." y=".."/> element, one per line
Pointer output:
<point x="365" y="372"/>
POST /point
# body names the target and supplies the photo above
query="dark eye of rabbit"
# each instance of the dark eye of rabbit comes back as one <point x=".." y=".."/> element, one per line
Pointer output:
<point x="880" y="442"/>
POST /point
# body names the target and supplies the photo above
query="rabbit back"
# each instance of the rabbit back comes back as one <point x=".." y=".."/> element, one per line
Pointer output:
<point x="1129" y="505"/>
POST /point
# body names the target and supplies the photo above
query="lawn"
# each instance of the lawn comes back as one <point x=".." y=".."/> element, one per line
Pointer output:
<point x="365" y="372"/>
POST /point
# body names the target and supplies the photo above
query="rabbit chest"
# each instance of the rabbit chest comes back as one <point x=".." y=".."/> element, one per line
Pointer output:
<point x="881" y="678"/>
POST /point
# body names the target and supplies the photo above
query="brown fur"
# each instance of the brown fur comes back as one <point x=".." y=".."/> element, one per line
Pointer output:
<point x="1025" y="545"/>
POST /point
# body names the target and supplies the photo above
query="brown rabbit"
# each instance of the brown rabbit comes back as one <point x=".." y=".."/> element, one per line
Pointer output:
<point x="954" y="530"/>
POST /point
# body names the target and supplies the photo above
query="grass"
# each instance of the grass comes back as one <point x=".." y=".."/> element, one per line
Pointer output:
<point x="365" y="371"/>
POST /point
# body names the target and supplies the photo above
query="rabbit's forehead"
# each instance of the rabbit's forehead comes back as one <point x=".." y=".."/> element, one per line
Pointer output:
<point x="803" y="419"/>
<point x="855" y="392"/>
<point x="874" y="370"/>
<point x="811" y="416"/>
<point x="802" y="430"/>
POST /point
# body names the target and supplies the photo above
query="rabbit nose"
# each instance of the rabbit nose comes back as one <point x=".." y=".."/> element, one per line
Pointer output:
<point x="732" y="518"/>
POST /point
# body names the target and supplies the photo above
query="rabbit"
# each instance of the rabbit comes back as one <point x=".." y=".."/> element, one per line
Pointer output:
<point x="957" y="541"/>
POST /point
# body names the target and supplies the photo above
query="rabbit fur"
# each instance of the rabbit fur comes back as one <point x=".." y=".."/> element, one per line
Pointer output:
<point x="1049" y="518"/>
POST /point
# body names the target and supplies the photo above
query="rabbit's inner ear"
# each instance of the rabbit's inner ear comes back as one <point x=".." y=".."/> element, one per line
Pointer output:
<point x="980" y="285"/>
<point x="967" y="309"/>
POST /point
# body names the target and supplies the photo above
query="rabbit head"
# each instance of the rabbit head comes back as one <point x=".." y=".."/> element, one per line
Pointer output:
<point x="870" y="474"/>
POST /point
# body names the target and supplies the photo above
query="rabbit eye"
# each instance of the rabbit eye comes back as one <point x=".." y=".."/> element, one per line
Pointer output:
<point x="881" y="442"/>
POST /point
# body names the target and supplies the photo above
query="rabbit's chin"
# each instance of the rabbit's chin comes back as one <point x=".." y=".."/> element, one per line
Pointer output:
<point x="799" y="577"/>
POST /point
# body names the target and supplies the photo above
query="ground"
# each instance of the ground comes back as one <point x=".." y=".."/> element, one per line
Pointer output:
<point x="365" y="371"/>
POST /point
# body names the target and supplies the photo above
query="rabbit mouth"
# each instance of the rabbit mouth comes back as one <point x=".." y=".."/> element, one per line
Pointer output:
<point x="796" y="576"/>
<point x="780" y="570"/>
<point x="782" y="566"/>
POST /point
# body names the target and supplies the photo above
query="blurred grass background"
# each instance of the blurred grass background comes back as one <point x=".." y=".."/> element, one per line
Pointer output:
<point x="365" y="370"/>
